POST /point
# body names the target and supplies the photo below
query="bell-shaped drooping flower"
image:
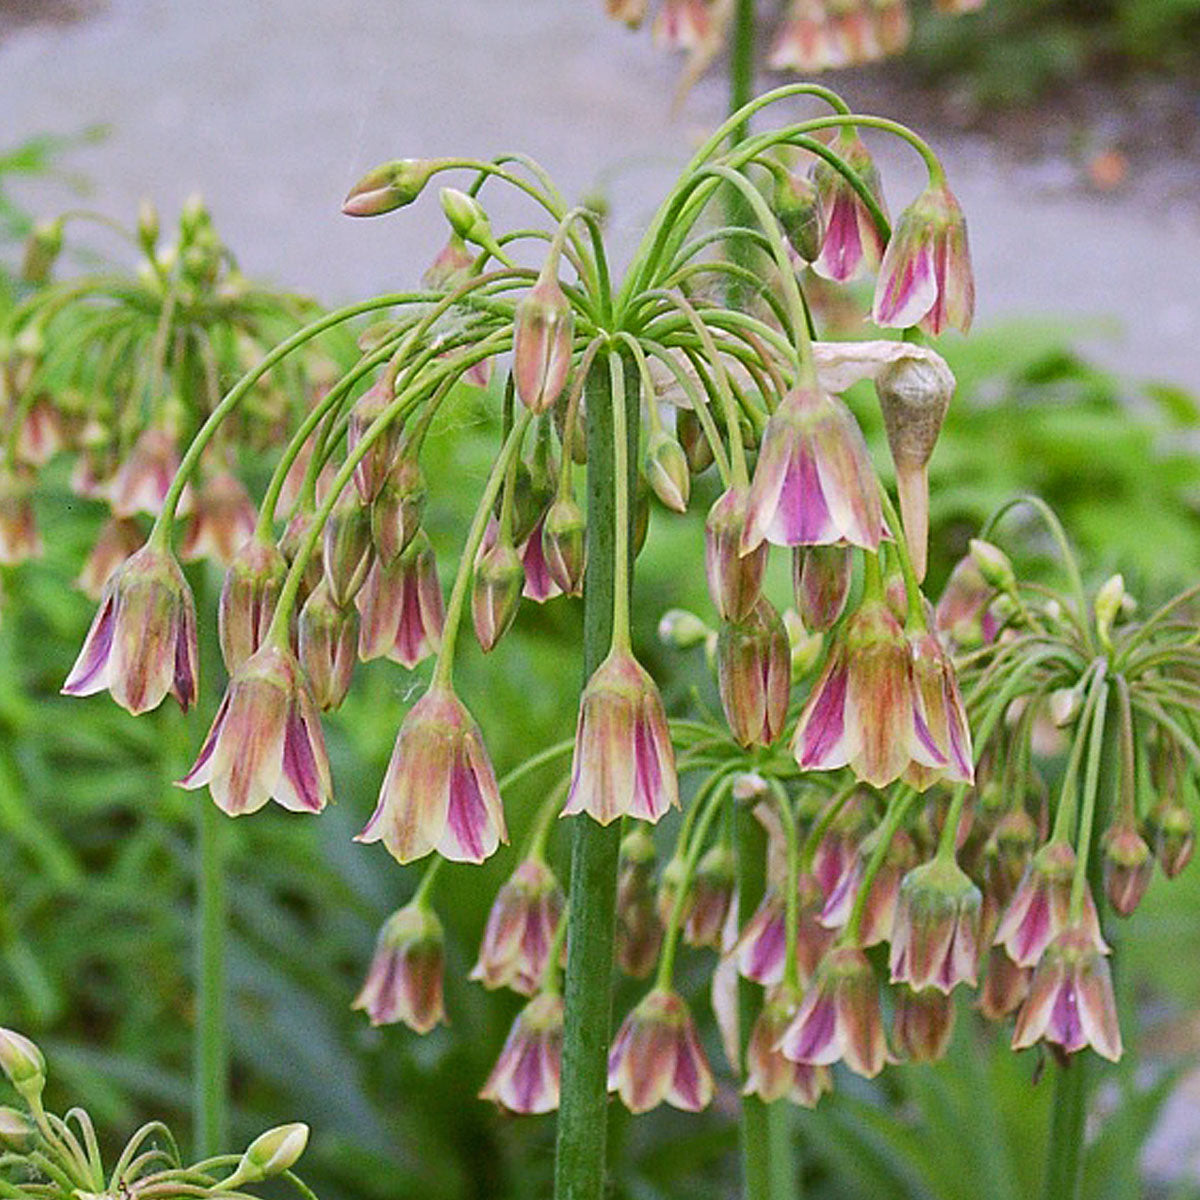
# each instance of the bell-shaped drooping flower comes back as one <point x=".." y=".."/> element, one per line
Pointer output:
<point x="734" y="578"/>
<point x="389" y="186"/>
<point x="839" y="1019"/>
<point x="373" y="468"/>
<point x="963" y="615"/>
<point x="922" y="1024"/>
<point x="691" y="25"/>
<point x="248" y="595"/>
<point x="667" y="471"/>
<point x="401" y="607"/>
<point x="639" y="931"/>
<point x="221" y="522"/>
<point x="526" y="1076"/>
<point x="143" y="479"/>
<point x="754" y="675"/>
<point x="118" y="539"/>
<point x="496" y="591"/>
<point x="563" y="548"/>
<point x="1128" y="865"/>
<point x="944" y="713"/>
<point x="769" y="1075"/>
<point x="925" y="277"/>
<point x="540" y="584"/>
<point x="761" y="948"/>
<point x="1172" y="830"/>
<point x="852" y="245"/>
<point x="19" y="539"/>
<point x="795" y="203"/>
<point x="347" y="549"/>
<point x="624" y="763"/>
<point x="1070" y="1000"/>
<point x="42" y="434"/>
<point x="326" y="639"/>
<point x="813" y="484"/>
<point x="1005" y="985"/>
<point x="266" y="741"/>
<point x="543" y="331"/>
<point x="914" y="395"/>
<point x="712" y="895"/>
<point x="142" y="642"/>
<point x="440" y="790"/>
<point x="657" y="1056"/>
<point x="451" y="266"/>
<point x="520" y="929"/>
<point x="404" y="980"/>
<point x="821" y="583"/>
<point x="935" y="938"/>
<point x="805" y="40"/>
<point x="397" y="509"/>
<point x="879" y="907"/>
<point x="1038" y="912"/>
<point x="865" y="711"/>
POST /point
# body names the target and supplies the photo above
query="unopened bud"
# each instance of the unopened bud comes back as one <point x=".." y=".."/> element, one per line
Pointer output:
<point x="270" y="1153"/>
<point x="821" y="583"/>
<point x="805" y="647"/>
<point x="1065" y="704"/>
<point x="496" y="592"/>
<point x="347" y="550"/>
<point x="468" y="219"/>
<point x="41" y="251"/>
<point x="563" y="544"/>
<point x="1128" y="865"/>
<point x="1173" y="830"/>
<point x="667" y="471"/>
<point x="1108" y="604"/>
<point x="388" y="187"/>
<point x="754" y="675"/>
<point x="398" y="508"/>
<point x="696" y="447"/>
<point x="543" y="333"/>
<point x="22" y="1062"/>
<point x="17" y="1132"/>
<point x="734" y="578"/>
<point x="798" y="210"/>
<point x="147" y="226"/>
<point x="193" y="217"/>
<point x="993" y="565"/>
<point x="681" y="629"/>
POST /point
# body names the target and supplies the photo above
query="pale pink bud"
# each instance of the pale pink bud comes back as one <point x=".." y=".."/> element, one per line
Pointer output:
<point x="1070" y="1001"/>
<point x="821" y="583"/>
<point x="248" y="595"/>
<point x="814" y="484"/>
<point x="712" y="895"/>
<point x="962" y="613"/>
<point x="1128" y="866"/>
<point x="769" y="1075"/>
<point x="853" y="244"/>
<point x="520" y="930"/>
<point x="734" y="578"/>
<point x="373" y="468"/>
<point x="142" y="641"/>
<point x="389" y="186"/>
<point x="42" y="435"/>
<point x="657" y="1056"/>
<point x="1173" y="834"/>
<point x="922" y="1024"/>
<point x="805" y="41"/>
<point x="326" y="638"/>
<point x="543" y="329"/>
<point x="526" y="1076"/>
<point x="440" y="790"/>
<point x="451" y="267"/>
<point x="404" y="980"/>
<point x="222" y="521"/>
<point x="401" y="607"/>
<point x="624" y="763"/>
<point x="944" y="713"/>
<point x="639" y="931"/>
<point x="496" y="591"/>
<point x="925" y="277"/>
<point x="754" y="675"/>
<point x="696" y="447"/>
<point x="935" y="938"/>
<point x="118" y="539"/>
<point x="347" y="550"/>
<point x="397" y="509"/>
<point x="563" y="544"/>
<point x="266" y="741"/>
<point x="667" y="471"/>
<point x="839" y="1018"/>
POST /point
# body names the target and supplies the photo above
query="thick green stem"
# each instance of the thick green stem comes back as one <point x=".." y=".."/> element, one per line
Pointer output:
<point x="1064" y="1169"/>
<point x="211" y="1074"/>
<point x="582" y="1132"/>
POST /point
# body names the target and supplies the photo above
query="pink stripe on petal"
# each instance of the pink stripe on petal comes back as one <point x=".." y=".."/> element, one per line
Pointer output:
<point x="822" y="728"/>
<point x="300" y="787"/>
<point x="812" y="1036"/>
<point x="468" y="836"/>
<point x="88" y="675"/>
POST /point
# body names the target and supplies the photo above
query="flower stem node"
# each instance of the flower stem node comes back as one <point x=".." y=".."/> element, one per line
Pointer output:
<point x="404" y="980"/>
<point x="624" y="762"/>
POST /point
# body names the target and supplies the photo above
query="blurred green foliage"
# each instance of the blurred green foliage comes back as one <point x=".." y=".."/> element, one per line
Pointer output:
<point x="1013" y="51"/>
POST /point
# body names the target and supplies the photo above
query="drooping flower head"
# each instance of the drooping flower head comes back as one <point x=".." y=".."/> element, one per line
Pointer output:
<point x="935" y="939"/>
<point x="943" y="711"/>
<point x="865" y="711"/>
<point x="142" y="641"/>
<point x="839" y="1019"/>
<point x="754" y="671"/>
<point x="266" y="741"/>
<point x="401" y="607"/>
<point x="853" y="244"/>
<point x="1070" y="1000"/>
<point x="440" y="790"/>
<point x="526" y="1076"/>
<point x="624" y="762"/>
<point x="925" y="277"/>
<point x="813" y="484"/>
<point x="248" y="595"/>
<point x="922" y="1024"/>
<point x="520" y="929"/>
<point x="769" y="1075"/>
<point x="404" y="981"/>
<point x="657" y="1056"/>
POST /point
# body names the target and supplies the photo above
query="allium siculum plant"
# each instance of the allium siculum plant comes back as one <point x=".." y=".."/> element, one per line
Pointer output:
<point x="848" y="721"/>
<point x="48" y="1157"/>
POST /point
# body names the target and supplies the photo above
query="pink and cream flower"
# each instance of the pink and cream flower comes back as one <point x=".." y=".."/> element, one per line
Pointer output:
<point x="404" y="980"/>
<point x="520" y="929"/>
<point x="769" y="1075"/>
<point x="526" y="1076"/>
<point x="936" y="934"/>
<point x="853" y="243"/>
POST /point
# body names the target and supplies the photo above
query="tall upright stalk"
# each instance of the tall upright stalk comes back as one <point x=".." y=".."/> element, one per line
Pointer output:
<point x="580" y="1155"/>
<point x="211" y="1065"/>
